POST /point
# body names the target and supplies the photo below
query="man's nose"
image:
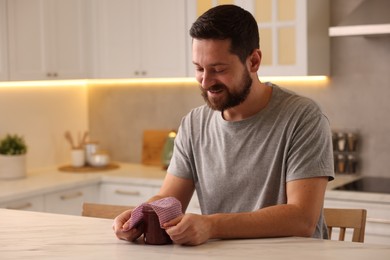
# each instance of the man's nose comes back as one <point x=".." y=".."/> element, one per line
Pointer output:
<point x="207" y="80"/>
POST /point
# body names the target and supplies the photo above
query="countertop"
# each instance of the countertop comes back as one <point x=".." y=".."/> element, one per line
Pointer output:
<point x="52" y="180"/>
<point x="36" y="235"/>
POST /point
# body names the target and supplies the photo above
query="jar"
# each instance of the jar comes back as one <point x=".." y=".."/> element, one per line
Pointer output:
<point x="153" y="233"/>
<point x="341" y="163"/>
<point x="90" y="149"/>
<point x="341" y="142"/>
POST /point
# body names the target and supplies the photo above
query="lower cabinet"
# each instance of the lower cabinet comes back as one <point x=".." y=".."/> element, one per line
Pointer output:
<point x="35" y="203"/>
<point x="194" y="206"/>
<point x="378" y="218"/>
<point x="135" y="194"/>
<point x="70" y="201"/>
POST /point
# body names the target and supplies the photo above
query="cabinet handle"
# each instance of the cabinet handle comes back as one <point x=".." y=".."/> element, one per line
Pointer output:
<point x="52" y="74"/>
<point x="143" y="73"/>
<point x="71" y="195"/>
<point x="136" y="72"/>
<point x="21" y="206"/>
<point x="128" y="192"/>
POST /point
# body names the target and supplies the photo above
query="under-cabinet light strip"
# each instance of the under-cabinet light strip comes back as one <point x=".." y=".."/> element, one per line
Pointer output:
<point x="135" y="81"/>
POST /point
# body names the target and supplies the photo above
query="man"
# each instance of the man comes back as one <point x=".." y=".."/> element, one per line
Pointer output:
<point x="259" y="157"/>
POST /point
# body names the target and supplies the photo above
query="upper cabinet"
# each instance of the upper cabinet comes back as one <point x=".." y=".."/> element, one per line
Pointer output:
<point x="139" y="38"/>
<point x="47" y="39"/>
<point x="293" y="34"/>
<point x="3" y="41"/>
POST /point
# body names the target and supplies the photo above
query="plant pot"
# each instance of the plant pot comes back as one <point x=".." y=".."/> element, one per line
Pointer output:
<point x="12" y="166"/>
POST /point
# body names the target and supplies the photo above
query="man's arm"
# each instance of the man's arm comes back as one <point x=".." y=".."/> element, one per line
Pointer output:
<point x="296" y="218"/>
<point x="180" y="188"/>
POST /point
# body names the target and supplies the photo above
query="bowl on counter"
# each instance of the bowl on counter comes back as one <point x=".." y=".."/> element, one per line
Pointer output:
<point x="99" y="159"/>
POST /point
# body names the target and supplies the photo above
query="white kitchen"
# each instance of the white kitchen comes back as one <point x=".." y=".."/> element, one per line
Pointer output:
<point x="115" y="69"/>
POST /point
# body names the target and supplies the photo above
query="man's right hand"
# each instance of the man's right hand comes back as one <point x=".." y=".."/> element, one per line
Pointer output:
<point x="121" y="227"/>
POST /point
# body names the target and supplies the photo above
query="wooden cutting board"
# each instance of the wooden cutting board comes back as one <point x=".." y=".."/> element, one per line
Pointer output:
<point x="152" y="146"/>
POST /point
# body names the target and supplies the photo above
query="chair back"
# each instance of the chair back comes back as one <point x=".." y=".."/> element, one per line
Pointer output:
<point x="346" y="219"/>
<point x="103" y="210"/>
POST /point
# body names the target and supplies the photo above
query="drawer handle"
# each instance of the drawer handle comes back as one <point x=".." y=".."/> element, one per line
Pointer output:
<point x="21" y="206"/>
<point x="71" y="196"/>
<point x="128" y="192"/>
<point x="378" y="220"/>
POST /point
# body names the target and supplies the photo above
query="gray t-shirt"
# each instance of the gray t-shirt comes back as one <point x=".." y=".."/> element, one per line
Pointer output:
<point x="244" y="166"/>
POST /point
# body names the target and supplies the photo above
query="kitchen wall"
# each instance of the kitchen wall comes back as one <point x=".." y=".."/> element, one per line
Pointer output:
<point x="120" y="114"/>
<point x="42" y="114"/>
<point x="355" y="99"/>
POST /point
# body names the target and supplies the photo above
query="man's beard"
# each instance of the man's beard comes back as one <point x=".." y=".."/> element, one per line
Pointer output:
<point x="230" y="99"/>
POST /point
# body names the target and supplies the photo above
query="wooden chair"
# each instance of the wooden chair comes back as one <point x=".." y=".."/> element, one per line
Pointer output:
<point x="103" y="210"/>
<point x="346" y="218"/>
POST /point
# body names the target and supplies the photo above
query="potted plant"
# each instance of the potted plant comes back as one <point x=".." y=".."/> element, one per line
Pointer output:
<point x="13" y="151"/>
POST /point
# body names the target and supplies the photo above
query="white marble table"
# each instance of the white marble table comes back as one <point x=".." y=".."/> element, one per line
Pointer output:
<point x="33" y="235"/>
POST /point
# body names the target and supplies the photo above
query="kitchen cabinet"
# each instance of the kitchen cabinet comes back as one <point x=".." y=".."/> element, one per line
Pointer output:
<point x="48" y="39"/>
<point x="34" y="203"/>
<point x="194" y="206"/>
<point x="293" y="34"/>
<point x="126" y="194"/>
<point x="135" y="194"/>
<point x="137" y="38"/>
<point x="70" y="201"/>
<point x="369" y="18"/>
<point x="378" y="217"/>
<point x="3" y="41"/>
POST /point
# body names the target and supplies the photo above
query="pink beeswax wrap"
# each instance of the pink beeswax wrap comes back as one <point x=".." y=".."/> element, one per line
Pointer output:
<point x="166" y="209"/>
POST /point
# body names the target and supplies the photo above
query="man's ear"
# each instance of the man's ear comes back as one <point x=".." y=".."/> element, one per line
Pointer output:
<point x="254" y="60"/>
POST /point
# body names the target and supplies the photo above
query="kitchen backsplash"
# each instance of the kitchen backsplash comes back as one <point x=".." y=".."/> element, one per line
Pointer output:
<point x="42" y="114"/>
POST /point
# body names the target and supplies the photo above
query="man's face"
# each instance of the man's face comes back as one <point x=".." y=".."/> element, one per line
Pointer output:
<point x="225" y="81"/>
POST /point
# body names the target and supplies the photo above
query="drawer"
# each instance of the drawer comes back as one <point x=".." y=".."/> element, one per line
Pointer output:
<point x="70" y="201"/>
<point x="126" y="194"/>
<point x="35" y="203"/>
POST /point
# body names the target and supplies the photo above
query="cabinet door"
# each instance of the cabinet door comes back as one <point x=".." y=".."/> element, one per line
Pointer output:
<point x="293" y="37"/>
<point x="34" y="203"/>
<point x="71" y="201"/>
<point x="3" y="41"/>
<point x="194" y="206"/>
<point x="117" y="38"/>
<point x="137" y="38"/>
<point x="68" y="38"/>
<point x="28" y="32"/>
<point x="293" y="33"/>
<point x="47" y="39"/>
<point x="126" y="194"/>
<point x="164" y="38"/>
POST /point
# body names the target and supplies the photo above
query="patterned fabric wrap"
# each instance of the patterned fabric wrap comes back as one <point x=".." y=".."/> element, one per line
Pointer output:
<point x="166" y="209"/>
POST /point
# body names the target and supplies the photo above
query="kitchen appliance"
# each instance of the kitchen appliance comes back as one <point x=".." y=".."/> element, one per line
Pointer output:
<point x="368" y="184"/>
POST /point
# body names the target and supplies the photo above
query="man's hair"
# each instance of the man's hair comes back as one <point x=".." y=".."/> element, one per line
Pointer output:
<point x="229" y="22"/>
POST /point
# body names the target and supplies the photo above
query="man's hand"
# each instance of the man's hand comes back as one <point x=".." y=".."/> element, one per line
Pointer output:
<point x="121" y="227"/>
<point x="189" y="229"/>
